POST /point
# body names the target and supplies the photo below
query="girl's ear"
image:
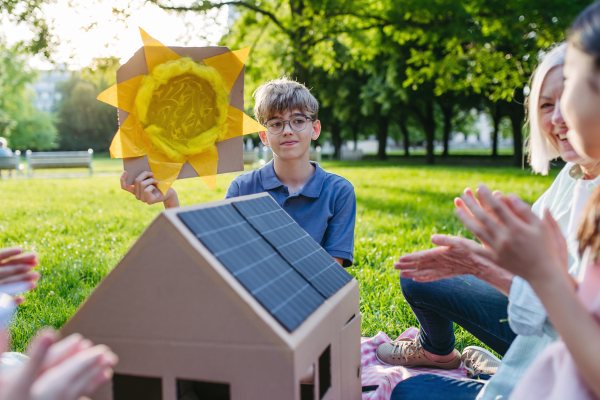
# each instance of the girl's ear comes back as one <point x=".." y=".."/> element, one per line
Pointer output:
<point x="316" y="131"/>
<point x="263" y="138"/>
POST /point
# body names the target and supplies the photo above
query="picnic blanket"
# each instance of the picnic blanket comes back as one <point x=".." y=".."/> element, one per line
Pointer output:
<point x="386" y="377"/>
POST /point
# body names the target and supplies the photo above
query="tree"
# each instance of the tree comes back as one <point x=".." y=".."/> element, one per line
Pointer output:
<point x="24" y="126"/>
<point x="83" y="121"/>
<point x="30" y="13"/>
<point x="305" y="25"/>
<point x="493" y="42"/>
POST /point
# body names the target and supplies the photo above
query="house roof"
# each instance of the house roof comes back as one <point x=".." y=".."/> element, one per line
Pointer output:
<point x="274" y="259"/>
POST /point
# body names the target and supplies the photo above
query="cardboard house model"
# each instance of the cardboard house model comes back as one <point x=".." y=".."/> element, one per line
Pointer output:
<point x="227" y="300"/>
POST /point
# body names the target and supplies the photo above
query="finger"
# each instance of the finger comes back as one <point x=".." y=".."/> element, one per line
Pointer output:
<point x="455" y="241"/>
<point x="422" y="276"/>
<point x="460" y="204"/>
<point x="419" y="256"/>
<point x="148" y="183"/>
<point x="474" y="226"/>
<point x="150" y="195"/>
<point x="500" y="210"/>
<point x="29" y="276"/>
<point x="66" y="348"/>
<point x="483" y="218"/>
<point x="468" y="192"/>
<point x="124" y="186"/>
<point x="7" y="253"/>
<point x="428" y="265"/>
<point x="37" y="353"/>
<point x="27" y="258"/>
<point x="10" y="270"/>
<point x="138" y="181"/>
<point x="522" y="209"/>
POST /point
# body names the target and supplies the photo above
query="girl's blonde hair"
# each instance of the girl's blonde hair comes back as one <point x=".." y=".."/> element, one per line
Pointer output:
<point x="541" y="150"/>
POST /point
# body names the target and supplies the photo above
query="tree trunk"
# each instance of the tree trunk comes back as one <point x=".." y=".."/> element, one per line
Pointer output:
<point x="516" y="114"/>
<point x="336" y="138"/>
<point x="405" y="136"/>
<point x="429" y="128"/>
<point x="355" y="137"/>
<point x="382" y="134"/>
<point x="496" y="117"/>
<point x="448" y="111"/>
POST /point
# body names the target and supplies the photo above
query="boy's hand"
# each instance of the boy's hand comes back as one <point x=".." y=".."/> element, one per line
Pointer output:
<point x="144" y="188"/>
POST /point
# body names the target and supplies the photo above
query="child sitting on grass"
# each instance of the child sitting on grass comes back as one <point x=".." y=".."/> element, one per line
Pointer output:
<point x="322" y="203"/>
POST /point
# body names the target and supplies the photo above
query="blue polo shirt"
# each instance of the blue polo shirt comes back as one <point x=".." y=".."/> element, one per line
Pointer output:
<point x="325" y="207"/>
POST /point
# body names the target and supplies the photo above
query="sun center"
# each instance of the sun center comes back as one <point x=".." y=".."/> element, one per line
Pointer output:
<point x="183" y="108"/>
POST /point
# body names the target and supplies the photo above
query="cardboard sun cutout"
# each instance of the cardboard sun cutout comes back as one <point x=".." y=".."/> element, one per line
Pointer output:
<point x="179" y="111"/>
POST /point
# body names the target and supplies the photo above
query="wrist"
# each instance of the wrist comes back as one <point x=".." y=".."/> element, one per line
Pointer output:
<point x="172" y="201"/>
<point x="550" y="284"/>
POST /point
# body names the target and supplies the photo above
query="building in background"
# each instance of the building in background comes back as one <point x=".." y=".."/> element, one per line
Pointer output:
<point x="46" y="87"/>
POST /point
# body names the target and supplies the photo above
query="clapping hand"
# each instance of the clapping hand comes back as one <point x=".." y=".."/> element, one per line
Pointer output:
<point x="514" y="237"/>
<point x="57" y="370"/>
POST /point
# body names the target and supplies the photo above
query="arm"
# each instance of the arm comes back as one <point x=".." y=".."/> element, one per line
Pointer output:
<point x="339" y="235"/>
<point x="144" y="189"/>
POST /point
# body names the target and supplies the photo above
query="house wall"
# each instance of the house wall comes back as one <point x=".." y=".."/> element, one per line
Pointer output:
<point x="335" y="324"/>
<point x="252" y="373"/>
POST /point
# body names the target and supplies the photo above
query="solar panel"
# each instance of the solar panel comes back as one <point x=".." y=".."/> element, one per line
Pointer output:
<point x="254" y="263"/>
<point x="295" y="245"/>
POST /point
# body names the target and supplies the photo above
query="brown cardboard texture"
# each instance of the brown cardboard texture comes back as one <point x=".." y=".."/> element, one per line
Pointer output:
<point x="180" y="112"/>
<point x="180" y="313"/>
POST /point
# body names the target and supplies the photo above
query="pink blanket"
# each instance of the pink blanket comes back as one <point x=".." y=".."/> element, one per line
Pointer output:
<point x="386" y="377"/>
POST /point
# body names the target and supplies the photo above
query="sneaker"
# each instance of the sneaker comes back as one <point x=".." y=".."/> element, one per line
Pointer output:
<point x="409" y="353"/>
<point x="478" y="360"/>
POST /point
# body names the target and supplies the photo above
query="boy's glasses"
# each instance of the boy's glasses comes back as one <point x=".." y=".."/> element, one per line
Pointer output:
<point x="276" y="125"/>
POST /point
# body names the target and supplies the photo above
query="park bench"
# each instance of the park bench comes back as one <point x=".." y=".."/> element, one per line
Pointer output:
<point x="11" y="162"/>
<point x="58" y="159"/>
<point x="315" y="154"/>
<point x="251" y="157"/>
<point x="350" y="155"/>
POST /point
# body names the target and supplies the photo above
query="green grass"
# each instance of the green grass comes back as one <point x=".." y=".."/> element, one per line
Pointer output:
<point x="81" y="227"/>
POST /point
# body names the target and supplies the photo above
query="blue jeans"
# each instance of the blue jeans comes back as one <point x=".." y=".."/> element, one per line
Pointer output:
<point x="436" y="387"/>
<point x="467" y="301"/>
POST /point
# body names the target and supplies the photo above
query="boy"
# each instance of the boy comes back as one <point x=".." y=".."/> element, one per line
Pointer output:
<point x="323" y="204"/>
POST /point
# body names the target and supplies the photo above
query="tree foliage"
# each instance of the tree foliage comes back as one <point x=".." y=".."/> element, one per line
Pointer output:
<point x="21" y="123"/>
<point x="83" y="121"/>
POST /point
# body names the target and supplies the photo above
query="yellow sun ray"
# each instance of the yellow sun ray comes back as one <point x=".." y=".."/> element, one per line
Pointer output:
<point x="229" y="64"/>
<point x="156" y="53"/>
<point x="130" y="140"/>
<point x="122" y="95"/>
<point x="165" y="112"/>
<point x="238" y="121"/>
<point x="206" y="164"/>
<point x="165" y="170"/>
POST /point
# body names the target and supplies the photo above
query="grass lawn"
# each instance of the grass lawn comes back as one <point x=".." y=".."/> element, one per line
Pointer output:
<point x="81" y="227"/>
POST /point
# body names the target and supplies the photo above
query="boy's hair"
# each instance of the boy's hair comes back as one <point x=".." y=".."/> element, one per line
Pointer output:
<point x="281" y="95"/>
<point x="589" y="229"/>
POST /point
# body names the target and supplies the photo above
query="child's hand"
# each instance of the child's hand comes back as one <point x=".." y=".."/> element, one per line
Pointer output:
<point x="144" y="188"/>
<point x="17" y="267"/>
<point x="517" y="240"/>
<point x="64" y="370"/>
